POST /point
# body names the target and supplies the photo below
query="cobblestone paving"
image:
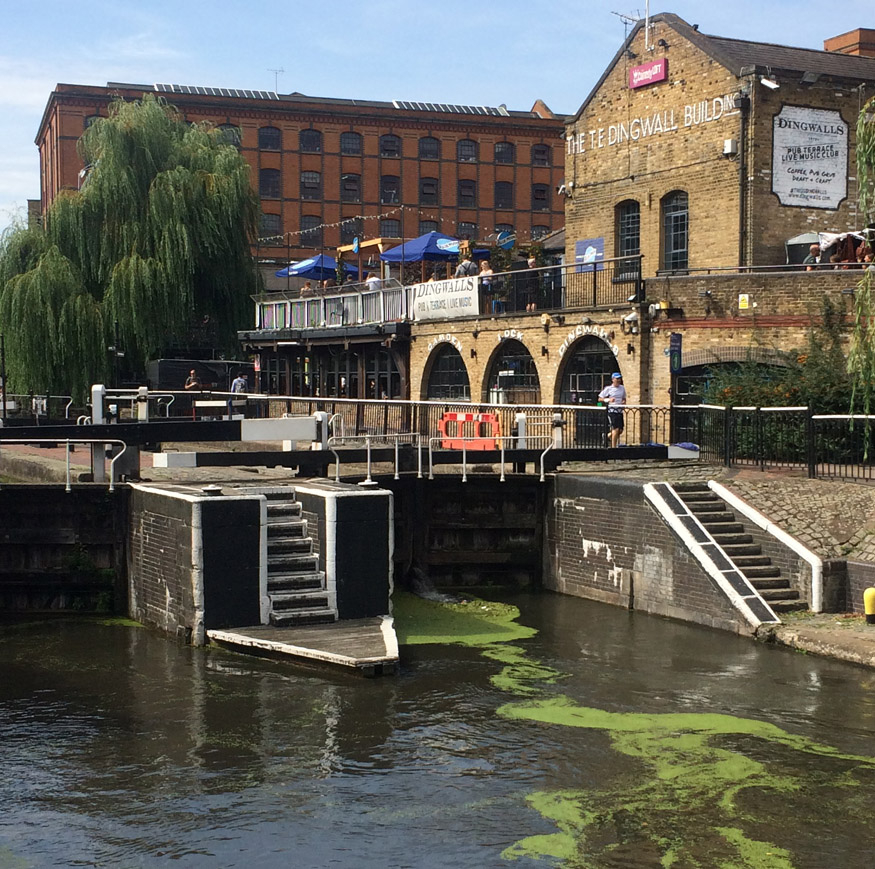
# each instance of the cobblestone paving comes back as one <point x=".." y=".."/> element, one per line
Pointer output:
<point x="834" y="519"/>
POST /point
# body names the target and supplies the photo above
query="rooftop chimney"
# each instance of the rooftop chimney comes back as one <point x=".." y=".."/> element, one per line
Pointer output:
<point x="860" y="42"/>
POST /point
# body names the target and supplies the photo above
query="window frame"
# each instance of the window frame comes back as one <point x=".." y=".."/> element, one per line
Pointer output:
<point x="675" y="226"/>
<point x="538" y="189"/>
<point x="542" y="149"/>
<point x="429" y="198"/>
<point x="421" y="148"/>
<point x="351" y="135"/>
<point x="311" y="236"/>
<point x="469" y="199"/>
<point x="503" y="187"/>
<point x="384" y="139"/>
<point x="511" y="148"/>
<point x="267" y="178"/>
<point x="395" y="199"/>
<point x="627" y="228"/>
<point x="462" y="145"/>
<point x="310" y="185"/>
<point x="350" y="187"/>
<point x="315" y="136"/>
<point x="263" y="146"/>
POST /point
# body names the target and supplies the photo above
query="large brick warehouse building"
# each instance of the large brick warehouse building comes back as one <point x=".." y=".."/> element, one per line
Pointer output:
<point x="329" y="170"/>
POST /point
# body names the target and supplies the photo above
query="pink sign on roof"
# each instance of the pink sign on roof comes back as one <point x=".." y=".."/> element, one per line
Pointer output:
<point x="648" y="73"/>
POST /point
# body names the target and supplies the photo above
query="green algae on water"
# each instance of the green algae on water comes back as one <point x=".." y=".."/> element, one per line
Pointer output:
<point x="473" y="622"/>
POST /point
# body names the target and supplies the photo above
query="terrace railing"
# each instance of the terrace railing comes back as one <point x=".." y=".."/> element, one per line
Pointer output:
<point x="602" y="284"/>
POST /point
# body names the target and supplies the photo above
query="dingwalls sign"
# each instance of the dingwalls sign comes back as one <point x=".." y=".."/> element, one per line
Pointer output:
<point x="446" y="300"/>
<point x="648" y="73"/>
<point x="809" y="157"/>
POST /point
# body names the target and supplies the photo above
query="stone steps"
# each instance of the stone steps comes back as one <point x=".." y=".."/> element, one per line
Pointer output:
<point x="729" y="533"/>
<point x="295" y="585"/>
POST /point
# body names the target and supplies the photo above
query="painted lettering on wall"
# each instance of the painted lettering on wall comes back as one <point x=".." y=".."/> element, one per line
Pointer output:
<point x="510" y="333"/>
<point x="809" y="157"/>
<point x="446" y="338"/>
<point x="579" y="331"/>
<point x="655" y="124"/>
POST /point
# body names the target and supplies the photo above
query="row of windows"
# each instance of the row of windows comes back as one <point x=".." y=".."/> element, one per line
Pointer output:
<point x="675" y="224"/>
<point x="270" y="187"/>
<point x="311" y="229"/>
<point x="351" y="144"/>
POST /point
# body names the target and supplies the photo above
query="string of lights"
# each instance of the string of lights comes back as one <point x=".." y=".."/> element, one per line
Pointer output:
<point x="424" y="215"/>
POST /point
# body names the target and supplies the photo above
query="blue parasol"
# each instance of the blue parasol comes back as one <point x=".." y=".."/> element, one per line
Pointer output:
<point x="319" y="268"/>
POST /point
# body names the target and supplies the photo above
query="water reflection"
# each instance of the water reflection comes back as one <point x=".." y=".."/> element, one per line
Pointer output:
<point x="120" y="747"/>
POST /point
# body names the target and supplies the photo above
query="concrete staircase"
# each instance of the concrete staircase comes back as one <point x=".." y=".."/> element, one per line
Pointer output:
<point x="739" y="547"/>
<point x="295" y="584"/>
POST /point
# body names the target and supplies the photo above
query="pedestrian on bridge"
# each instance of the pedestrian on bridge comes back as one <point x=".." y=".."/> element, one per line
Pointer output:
<point x="614" y="396"/>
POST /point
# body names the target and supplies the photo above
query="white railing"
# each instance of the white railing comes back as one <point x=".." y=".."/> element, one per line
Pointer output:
<point x="67" y="443"/>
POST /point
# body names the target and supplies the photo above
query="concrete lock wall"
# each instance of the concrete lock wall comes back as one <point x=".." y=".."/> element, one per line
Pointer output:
<point x="195" y="561"/>
<point x="604" y="542"/>
<point x="62" y="551"/>
<point x="353" y="531"/>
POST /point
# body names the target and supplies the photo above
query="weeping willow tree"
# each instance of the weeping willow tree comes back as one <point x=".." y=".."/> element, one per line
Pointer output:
<point x="156" y="241"/>
<point x="861" y="357"/>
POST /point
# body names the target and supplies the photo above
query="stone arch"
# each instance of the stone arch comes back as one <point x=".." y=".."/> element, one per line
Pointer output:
<point x="445" y="375"/>
<point x="586" y="368"/>
<point x="714" y="355"/>
<point x="512" y="374"/>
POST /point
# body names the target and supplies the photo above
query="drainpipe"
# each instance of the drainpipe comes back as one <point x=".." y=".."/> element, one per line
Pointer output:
<point x="742" y="103"/>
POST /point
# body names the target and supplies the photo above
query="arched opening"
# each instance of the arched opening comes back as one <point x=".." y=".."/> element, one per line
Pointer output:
<point x="588" y="367"/>
<point x="448" y="377"/>
<point x="513" y="376"/>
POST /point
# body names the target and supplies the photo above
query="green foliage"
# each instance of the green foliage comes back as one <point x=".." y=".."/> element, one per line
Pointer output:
<point x="156" y="240"/>
<point x="814" y="376"/>
<point x="861" y="358"/>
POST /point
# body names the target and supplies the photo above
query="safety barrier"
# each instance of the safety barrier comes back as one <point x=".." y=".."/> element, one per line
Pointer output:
<point x="474" y="431"/>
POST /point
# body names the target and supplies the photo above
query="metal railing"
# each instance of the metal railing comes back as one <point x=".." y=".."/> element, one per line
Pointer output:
<point x="67" y="443"/>
<point x="31" y="405"/>
<point x="602" y="284"/>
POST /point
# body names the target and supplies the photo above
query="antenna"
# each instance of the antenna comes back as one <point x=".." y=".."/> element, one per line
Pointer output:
<point x="276" y="75"/>
<point x="628" y="21"/>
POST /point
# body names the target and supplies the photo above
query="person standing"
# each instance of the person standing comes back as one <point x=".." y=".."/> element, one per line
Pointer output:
<point x="813" y="259"/>
<point x="466" y="268"/>
<point x="193" y="381"/>
<point x="614" y="396"/>
<point x="240" y="383"/>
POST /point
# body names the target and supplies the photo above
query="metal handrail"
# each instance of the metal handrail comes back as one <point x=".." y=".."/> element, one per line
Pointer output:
<point x="396" y="439"/>
<point x="68" y="442"/>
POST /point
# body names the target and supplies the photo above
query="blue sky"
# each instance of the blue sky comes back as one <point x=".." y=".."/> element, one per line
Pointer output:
<point x="490" y="52"/>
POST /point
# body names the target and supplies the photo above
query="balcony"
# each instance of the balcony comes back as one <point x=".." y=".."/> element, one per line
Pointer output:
<point x="587" y="286"/>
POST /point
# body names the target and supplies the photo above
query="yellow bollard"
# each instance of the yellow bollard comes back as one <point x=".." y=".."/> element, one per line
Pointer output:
<point x="869" y="605"/>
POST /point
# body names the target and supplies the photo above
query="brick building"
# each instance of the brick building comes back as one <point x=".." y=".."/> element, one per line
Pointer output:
<point x="701" y="151"/>
<point x="328" y="170"/>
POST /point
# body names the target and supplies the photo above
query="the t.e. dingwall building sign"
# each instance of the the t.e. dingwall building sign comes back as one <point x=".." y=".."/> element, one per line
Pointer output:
<point x="809" y="157"/>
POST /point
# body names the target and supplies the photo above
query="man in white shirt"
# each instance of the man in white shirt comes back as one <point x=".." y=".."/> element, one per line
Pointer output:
<point x="614" y="396"/>
<point x="373" y="282"/>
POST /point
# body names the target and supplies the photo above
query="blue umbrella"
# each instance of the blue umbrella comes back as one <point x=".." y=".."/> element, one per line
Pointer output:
<point x="431" y="246"/>
<point x="319" y="268"/>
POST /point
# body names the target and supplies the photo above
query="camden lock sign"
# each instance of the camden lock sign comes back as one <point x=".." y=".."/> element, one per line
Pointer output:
<point x="809" y="157"/>
<point x="446" y="300"/>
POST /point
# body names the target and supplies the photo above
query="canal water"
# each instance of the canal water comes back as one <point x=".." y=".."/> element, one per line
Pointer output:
<point x="579" y="735"/>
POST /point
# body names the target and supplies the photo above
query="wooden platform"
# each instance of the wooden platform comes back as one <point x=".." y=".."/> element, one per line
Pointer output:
<point x="368" y="646"/>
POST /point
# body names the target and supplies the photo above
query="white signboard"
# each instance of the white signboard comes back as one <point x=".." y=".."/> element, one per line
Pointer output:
<point x="809" y="157"/>
<point x="446" y="300"/>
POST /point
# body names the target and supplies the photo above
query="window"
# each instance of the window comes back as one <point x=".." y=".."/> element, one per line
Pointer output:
<point x="271" y="225"/>
<point x="427" y="226"/>
<point x="350" y="188"/>
<point x="429" y="149"/>
<point x="90" y="120"/>
<point x="390" y="185"/>
<point x="230" y="135"/>
<point x="539" y="231"/>
<point x="467" y="193"/>
<point x="448" y="380"/>
<point x="428" y="191"/>
<point x="675" y="231"/>
<point x="540" y="155"/>
<point x="311" y="141"/>
<point x="628" y="228"/>
<point x="390" y="228"/>
<point x="466" y="151"/>
<point x="513" y="376"/>
<point x="269" y="185"/>
<point x="311" y="231"/>
<point x="350" y="228"/>
<point x="503" y="194"/>
<point x="504" y="152"/>
<point x="311" y="185"/>
<point x="390" y="146"/>
<point x="540" y="197"/>
<point x="350" y="143"/>
<point x="467" y="230"/>
<point x="504" y="227"/>
<point x="270" y="139"/>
